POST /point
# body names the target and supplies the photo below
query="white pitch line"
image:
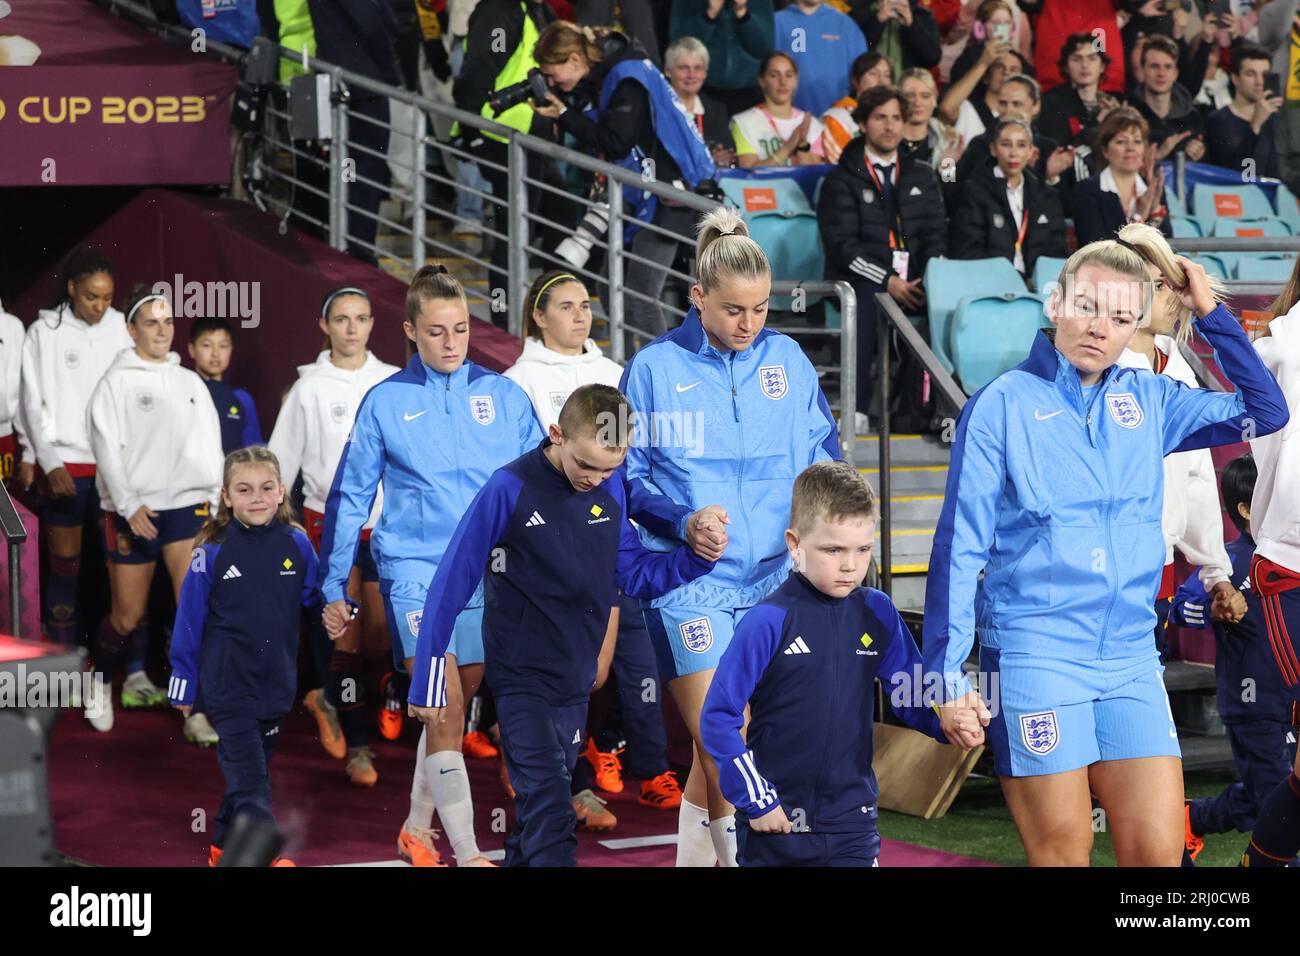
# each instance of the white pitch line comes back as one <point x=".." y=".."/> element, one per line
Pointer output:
<point x="665" y="839"/>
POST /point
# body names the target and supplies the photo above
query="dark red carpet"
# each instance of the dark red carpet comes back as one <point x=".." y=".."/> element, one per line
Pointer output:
<point x="141" y="796"/>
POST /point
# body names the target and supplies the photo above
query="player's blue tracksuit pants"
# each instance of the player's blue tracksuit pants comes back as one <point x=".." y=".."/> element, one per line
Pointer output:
<point x="243" y="753"/>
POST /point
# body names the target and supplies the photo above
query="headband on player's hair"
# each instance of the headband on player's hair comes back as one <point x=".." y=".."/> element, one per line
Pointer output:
<point x="153" y="297"/>
<point x="563" y="277"/>
<point x="346" y="290"/>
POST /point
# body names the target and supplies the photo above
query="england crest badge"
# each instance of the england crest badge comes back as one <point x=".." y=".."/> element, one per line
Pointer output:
<point x="697" y="635"/>
<point x="772" y="379"/>
<point x="1040" y="733"/>
<point x="484" y="412"/>
<point x="1125" y="410"/>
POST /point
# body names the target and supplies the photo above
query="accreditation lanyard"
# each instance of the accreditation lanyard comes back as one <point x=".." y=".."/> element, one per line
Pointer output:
<point x="896" y="240"/>
<point x="772" y="123"/>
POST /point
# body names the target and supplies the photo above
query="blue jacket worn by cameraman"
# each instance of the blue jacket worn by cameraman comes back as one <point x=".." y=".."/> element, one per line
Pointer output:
<point x="635" y="116"/>
<point x="806" y="664"/>
<point x="732" y="429"/>
<point x="1055" y="495"/>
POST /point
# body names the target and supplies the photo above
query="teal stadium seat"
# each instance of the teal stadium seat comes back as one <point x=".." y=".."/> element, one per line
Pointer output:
<point x="993" y="333"/>
<point x="1287" y="210"/>
<point x="1046" y="270"/>
<point x="948" y="281"/>
<point x="1243" y="228"/>
<point x="1214" y="266"/>
<point x="1184" y="227"/>
<point x="1212" y="202"/>
<point x="781" y="220"/>
<point x="1261" y="268"/>
<point x="1176" y="206"/>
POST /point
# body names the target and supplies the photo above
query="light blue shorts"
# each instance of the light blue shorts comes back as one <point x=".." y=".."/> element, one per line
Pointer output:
<point x="404" y="606"/>
<point x="1056" y="715"/>
<point x="688" y="640"/>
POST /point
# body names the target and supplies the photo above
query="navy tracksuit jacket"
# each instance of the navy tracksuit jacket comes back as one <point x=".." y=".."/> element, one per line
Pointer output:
<point x="806" y="664"/>
<point x="238" y="415"/>
<point x="1253" y="702"/>
<point x="551" y="559"/>
<point x="236" y="630"/>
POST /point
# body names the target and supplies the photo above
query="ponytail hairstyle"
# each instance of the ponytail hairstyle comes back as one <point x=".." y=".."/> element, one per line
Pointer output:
<point x="83" y="261"/>
<point x="539" y="296"/>
<point x="1153" y="247"/>
<point x="724" y="250"/>
<point x="430" y="282"/>
<point x="214" y="528"/>
<point x="561" y="39"/>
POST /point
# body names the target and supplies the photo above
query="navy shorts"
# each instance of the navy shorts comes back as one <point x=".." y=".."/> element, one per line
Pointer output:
<point x="175" y="524"/>
<point x="73" y="510"/>
<point x="806" y="849"/>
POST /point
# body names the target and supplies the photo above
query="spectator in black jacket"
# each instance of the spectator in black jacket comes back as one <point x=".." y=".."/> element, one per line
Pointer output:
<point x="1129" y="189"/>
<point x="1244" y="130"/>
<point x="1072" y="111"/>
<point x="1175" y="124"/>
<point x="1010" y="214"/>
<point x="903" y="30"/>
<point x="881" y="217"/>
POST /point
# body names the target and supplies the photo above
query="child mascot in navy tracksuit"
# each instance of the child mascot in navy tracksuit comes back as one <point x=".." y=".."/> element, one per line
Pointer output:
<point x="1257" y="712"/>
<point x="553" y="535"/>
<point x="805" y="661"/>
<point x="237" y="629"/>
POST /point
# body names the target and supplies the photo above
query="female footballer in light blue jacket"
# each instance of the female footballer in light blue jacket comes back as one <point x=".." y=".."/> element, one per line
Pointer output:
<point x="729" y="413"/>
<point x="1050" y="548"/>
<point x="433" y="434"/>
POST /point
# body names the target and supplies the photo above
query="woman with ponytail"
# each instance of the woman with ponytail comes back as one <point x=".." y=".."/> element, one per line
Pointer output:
<point x="237" y="621"/>
<point x="1191" y="517"/>
<point x="432" y="435"/>
<point x="1050" y="548"/>
<point x="157" y="442"/>
<point x="638" y="122"/>
<point x="753" y="394"/>
<point x="67" y="351"/>
<point x="309" y="436"/>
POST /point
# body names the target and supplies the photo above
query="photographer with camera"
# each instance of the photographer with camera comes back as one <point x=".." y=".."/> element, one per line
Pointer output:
<point x="635" y="120"/>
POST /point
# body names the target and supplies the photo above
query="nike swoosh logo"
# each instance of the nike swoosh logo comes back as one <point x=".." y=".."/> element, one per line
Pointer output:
<point x="1042" y="418"/>
<point x="687" y="388"/>
<point x="452" y="770"/>
<point x="409" y="417"/>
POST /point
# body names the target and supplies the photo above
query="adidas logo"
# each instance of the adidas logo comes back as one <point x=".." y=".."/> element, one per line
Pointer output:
<point x="232" y="572"/>
<point x="577" y="736"/>
<point x="798" y="647"/>
<point x="534" y="521"/>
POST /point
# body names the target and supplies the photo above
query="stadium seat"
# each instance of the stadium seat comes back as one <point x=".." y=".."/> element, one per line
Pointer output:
<point x="1287" y="209"/>
<point x="1046" y="269"/>
<point x="1260" y="268"/>
<point x="781" y="220"/>
<point x="1176" y="206"/>
<point x="1243" y="228"/>
<point x="1212" y="202"/>
<point x="1214" y="266"/>
<point x="1184" y="227"/>
<point x="948" y="281"/>
<point x="993" y="333"/>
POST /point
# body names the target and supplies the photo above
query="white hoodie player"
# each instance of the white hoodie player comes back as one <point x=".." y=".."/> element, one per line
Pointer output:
<point x="13" y="433"/>
<point x="1275" y="507"/>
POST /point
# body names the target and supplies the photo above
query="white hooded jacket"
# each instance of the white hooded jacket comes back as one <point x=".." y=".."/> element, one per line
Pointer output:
<point x="314" y="423"/>
<point x="12" y="336"/>
<point x="1192" y="519"/>
<point x="63" y="361"/>
<point x="1275" y="507"/>
<point x="155" y="435"/>
<point x="550" y="378"/>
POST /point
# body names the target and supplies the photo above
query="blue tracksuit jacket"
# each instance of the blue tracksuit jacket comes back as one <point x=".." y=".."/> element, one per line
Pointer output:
<point x="733" y="429"/>
<point x="237" y="621"/>
<point x="1243" y="660"/>
<point x="433" y="440"/>
<point x="807" y="664"/>
<point x="554" y="559"/>
<point x="1058" y="503"/>
<point x="238" y="415"/>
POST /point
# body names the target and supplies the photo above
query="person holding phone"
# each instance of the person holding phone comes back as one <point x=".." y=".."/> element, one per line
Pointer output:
<point x="902" y="25"/>
<point x="970" y="103"/>
<point x="1245" y="129"/>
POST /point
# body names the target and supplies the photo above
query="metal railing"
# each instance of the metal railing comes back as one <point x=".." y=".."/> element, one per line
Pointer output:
<point x="277" y="189"/>
<point x="15" y="533"/>
<point x="890" y="319"/>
